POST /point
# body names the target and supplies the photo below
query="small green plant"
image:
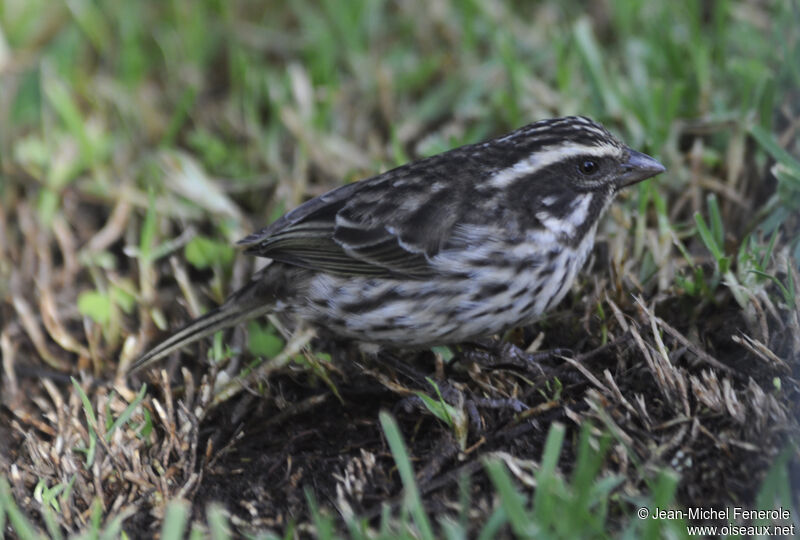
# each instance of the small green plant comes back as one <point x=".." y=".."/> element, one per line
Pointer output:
<point x="786" y="199"/>
<point x="713" y="237"/>
<point x="712" y="234"/>
<point x="453" y="416"/>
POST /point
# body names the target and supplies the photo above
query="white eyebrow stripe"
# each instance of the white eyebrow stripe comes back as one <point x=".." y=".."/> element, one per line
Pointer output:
<point x="545" y="157"/>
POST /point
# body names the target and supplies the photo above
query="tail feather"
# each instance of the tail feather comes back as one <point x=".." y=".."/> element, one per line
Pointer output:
<point x="240" y="307"/>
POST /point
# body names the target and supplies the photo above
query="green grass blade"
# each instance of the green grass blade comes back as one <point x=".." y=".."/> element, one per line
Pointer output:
<point x="19" y="523"/>
<point x="175" y="520"/>
<point x="127" y="413"/>
<point x="512" y="500"/>
<point x="412" y="496"/>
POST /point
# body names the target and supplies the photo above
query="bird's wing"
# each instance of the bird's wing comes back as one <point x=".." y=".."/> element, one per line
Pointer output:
<point x="389" y="225"/>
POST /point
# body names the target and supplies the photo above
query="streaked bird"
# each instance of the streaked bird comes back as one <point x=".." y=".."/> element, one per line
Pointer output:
<point x="458" y="246"/>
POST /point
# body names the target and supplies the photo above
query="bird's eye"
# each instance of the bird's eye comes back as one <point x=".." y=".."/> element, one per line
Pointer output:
<point x="588" y="167"/>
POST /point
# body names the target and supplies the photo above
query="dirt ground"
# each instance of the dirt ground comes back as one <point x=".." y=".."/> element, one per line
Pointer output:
<point x="712" y="414"/>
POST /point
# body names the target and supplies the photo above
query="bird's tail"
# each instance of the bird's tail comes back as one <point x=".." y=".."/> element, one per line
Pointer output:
<point x="246" y="303"/>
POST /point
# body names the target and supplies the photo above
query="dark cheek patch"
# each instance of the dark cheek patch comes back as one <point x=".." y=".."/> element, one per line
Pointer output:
<point x="548" y="190"/>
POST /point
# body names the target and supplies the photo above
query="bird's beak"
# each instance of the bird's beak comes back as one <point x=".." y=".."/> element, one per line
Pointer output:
<point x="638" y="167"/>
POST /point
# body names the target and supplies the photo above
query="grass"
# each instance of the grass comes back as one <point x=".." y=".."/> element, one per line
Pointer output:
<point x="139" y="140"/>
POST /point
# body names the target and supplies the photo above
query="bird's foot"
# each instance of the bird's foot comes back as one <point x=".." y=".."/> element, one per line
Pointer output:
<point x="500" y="355"/>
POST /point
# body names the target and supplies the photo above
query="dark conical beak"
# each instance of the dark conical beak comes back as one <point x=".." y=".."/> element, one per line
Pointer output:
<point x="638" y="167"/>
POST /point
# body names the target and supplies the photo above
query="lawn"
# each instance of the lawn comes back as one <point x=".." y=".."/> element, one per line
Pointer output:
<point x="140" y="140"/>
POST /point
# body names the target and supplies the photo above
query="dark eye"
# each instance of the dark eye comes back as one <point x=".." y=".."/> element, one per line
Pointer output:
<point x="588" y="167"/>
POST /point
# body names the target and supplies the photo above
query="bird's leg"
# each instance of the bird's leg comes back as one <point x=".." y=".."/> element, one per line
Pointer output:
<point x="502" y="354"/>
<point x="471" y="405"/>
<point x="503" y="403"/>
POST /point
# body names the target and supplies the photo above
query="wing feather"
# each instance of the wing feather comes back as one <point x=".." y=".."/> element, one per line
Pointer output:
<point x="358" y="229"/>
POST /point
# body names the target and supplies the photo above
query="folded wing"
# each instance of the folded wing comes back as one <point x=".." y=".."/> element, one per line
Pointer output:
<point x="389" y="225"/>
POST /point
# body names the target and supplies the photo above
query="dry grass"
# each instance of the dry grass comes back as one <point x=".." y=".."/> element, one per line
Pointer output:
<point x="687" y="359"/>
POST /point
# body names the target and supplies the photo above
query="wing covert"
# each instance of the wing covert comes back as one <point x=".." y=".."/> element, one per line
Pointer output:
<point x="389" y="225"/>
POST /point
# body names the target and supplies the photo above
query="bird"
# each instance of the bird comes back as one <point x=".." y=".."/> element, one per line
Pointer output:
<point x="459" y="246"/>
